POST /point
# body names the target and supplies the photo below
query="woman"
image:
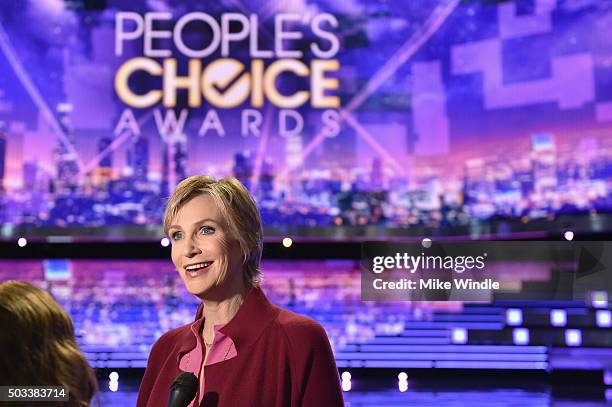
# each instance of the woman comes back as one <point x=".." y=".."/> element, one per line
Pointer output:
<point x="38" y="347"/>
<point x="244" y="350"/>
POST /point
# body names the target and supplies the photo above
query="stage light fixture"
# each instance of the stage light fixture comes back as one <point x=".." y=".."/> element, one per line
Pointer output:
<point x="113" y="386"/>
<point x="599" y="299"/>
<point x="558" y="317"/>
<point x="287" y="242"/>
<point x="514" y="317"/>
<point x="520" y="336"/>
<point x="603" y="318"/>
<point x="346" y="385"/>
<point x="22" y="242"/>
<point x="346" y="381"/>
<point x="459" y="336"/>
<point x="608" y="377"/>
<point x="573" y="337"/>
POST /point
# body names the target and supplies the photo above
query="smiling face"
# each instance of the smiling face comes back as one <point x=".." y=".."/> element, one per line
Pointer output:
<point x="207" y="258"/>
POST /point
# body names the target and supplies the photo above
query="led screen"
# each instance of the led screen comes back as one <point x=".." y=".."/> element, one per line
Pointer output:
<point x="365" y="117"/>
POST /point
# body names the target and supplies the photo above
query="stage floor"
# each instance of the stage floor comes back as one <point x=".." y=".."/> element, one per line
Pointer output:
<point x="374" y="393"/>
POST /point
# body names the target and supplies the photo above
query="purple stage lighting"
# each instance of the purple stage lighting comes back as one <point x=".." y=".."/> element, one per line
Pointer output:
<point x="603" y="317"/>
<point x="514" y="317"/>
<point x="573" y="337"/>
<point x="459" y="336"/>
<point x="558" y="317"/>
<point x="520" y="336"/>
<point x="346" y="385"/>
<point x="608" y="377"/>
<point x="599" y="299"/>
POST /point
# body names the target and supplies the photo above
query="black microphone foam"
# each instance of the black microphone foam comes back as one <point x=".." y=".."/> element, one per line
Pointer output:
<point x="183" y="390"/>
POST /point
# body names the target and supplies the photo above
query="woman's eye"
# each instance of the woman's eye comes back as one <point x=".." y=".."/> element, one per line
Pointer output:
<point x="207" y="230"/>
<point x="177" y="235"/>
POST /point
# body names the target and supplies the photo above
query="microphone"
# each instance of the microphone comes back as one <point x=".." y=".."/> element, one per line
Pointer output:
<point x="183" y="390"/>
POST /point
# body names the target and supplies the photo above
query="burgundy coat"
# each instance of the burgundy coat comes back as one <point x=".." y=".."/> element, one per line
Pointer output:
<point x="284" y="359"/>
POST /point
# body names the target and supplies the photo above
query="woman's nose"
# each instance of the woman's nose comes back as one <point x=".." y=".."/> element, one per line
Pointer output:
<point x="192" y="249"/>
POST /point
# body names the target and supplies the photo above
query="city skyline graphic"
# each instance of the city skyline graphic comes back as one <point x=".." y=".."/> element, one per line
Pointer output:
<point x="451" y="112"/>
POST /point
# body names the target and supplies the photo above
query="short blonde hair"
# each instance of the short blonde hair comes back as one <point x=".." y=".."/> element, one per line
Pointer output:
<point x="238" y="209"/>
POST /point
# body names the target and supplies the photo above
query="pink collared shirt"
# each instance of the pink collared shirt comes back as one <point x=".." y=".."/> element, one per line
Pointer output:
<point x="222" y="349"/>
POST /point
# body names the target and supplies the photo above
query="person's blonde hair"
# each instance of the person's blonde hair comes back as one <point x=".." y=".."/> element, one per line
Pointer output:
<point x="239" y="212"/>
<point x="38" y="344"/>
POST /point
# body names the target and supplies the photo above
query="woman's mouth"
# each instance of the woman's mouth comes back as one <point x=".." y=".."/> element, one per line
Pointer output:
<point x="194" y="270"/>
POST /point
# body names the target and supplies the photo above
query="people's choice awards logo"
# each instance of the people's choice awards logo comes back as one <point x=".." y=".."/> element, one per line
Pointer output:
<point x="286" y="75"/>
